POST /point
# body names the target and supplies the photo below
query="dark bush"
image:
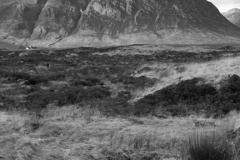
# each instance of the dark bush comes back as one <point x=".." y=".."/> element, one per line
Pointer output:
<point x="6" y="103"/>
<point x="30" y="80"/>
<point x="66" y="96"/>
<point x="93" y="93"/>
<point x="33" y="80"/>
<point x="135" y="82"/>
<point x="189" y="93"/>
<point x="232" y="85"/>
<point x="36" y="101"/>
<point x="14" y="76"/>
<point x="142" y="109"/>
<point x="55" y="76"/>
<point x="90" y="81"/>
<point x="117" y="106"/>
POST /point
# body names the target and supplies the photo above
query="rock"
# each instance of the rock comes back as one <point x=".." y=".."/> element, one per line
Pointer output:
<point x="11" y="54"/>
<point x="58" y="18"/>
<point x="19" y="17"/>
<point x="71" y="55"/>
<point x="24" y="54"/>
<point x="52" y="53"/>
<point x="115" y="21"/>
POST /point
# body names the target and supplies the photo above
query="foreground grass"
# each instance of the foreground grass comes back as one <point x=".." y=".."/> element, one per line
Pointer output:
<point x="74" y="132"/>
<point x="209" y="146"/>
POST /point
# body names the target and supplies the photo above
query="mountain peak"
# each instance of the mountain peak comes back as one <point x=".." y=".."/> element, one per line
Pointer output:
<point x="105" y="20"/>
<point x="234" y="10"/>
<point x="233" y="16"/>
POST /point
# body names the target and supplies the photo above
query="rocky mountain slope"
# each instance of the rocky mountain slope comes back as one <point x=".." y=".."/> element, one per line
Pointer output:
<point x="233" y="16"/>
<point x="106" y="20"/>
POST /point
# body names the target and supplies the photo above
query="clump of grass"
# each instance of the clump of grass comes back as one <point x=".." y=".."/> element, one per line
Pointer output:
<point x="137" y="146"/>
<point x="208" y="146"/>
<point x="147" y="142"/>
<point x="14" y="76"/>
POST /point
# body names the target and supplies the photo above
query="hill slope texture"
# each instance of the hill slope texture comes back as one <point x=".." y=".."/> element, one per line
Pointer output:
<point x="120" y="21"/>
<point x="233" y="16"/>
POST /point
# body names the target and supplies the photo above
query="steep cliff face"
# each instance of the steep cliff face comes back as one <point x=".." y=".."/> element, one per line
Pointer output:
<point x="18" y="17"/>
<point x="113" y="17"/>
<point x="56" y="19"/>
<point x="233" y="16"/>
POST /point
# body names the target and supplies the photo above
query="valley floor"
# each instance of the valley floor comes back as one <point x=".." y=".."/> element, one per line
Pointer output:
<point x="112" y="103"/>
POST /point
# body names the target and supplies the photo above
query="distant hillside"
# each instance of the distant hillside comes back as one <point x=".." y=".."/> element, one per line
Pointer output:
<point x="116" y="21"/>
<point x="233" y="16"/>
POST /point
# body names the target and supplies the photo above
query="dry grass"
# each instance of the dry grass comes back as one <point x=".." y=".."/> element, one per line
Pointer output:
<point x="72" y="112"/>
<point x="215" y="144"/>
<point x="213" y="72"/>
<point x="73" y="132"/>
<point x="209" y="146"/>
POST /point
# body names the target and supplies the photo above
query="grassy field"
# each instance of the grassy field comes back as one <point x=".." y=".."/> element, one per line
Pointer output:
<point x="139" y="102"/>
<point x="73" y="132"/>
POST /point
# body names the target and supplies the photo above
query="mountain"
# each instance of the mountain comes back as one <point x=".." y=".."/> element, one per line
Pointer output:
<point x="115" y="21"/>
<point x="233" y="16"/>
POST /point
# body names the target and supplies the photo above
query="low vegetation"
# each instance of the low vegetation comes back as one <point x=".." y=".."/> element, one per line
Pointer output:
<point x="209" y="145"/>
<point x="195" y="96"/>
<point x="58" y="91"/>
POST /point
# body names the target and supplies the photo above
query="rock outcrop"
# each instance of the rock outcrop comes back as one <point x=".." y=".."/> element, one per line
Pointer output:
<point x="111" y="19"/>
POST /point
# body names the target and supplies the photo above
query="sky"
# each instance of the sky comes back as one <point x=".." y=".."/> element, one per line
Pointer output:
<point x="225" y="5"/>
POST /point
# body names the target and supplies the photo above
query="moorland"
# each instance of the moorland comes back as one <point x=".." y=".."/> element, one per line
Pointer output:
<point x="137" y="102"/>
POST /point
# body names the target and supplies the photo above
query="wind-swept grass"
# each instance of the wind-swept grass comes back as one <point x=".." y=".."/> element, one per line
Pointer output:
<point x="208" y="146"/>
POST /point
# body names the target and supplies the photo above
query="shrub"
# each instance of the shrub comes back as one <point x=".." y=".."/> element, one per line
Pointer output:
<point x="188" y="92"/>
<point x="232" y="85"/>
<point x="143" y="109"/>
<point x="41" y="99"/>
<point x="209" y="146"/>
<point x="66" y="96"/>
<point x="90" y="81"/>
<point x="38" y="100"/>
<point x="92" y="93"/>
<point x="55" y="76"/>
<point x="189" y="95"/>
<point x="136" y="82"/>
<point x="33" y="80"/>
<point x="14" y="76"/>
<point x="117" y="106"/>
<point x="5" y="102"/>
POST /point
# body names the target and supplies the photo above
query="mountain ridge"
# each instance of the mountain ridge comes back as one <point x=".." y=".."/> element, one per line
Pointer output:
<point x="233" y="16"/>
<point x="110" y="20"/>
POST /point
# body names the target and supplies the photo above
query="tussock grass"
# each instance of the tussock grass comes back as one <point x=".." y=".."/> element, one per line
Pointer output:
<point x="66" y="133"/>
<point x="71" y="112"/>
<point x="209" y="146"/>
<point x="134" y="142"/>
<point x="215" y="144"/>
